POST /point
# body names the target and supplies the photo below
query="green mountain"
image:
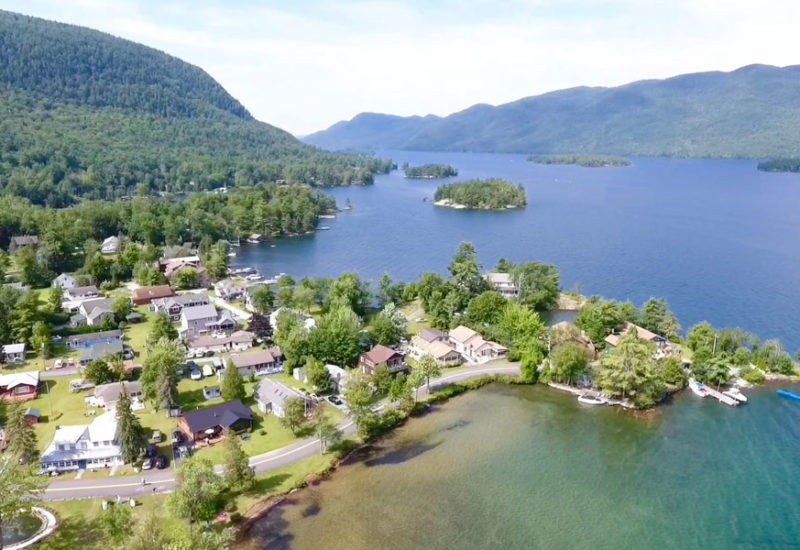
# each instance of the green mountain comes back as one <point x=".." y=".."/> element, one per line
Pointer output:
<point x="751" y="112"/>
<point x="86" y="114"/>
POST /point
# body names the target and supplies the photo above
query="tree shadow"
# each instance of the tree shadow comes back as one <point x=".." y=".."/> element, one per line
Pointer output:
<point x="392" y="457"/>
<point x="269" y="531"/>
<point x="74" y="532"/>
<point x="267" y="484"/>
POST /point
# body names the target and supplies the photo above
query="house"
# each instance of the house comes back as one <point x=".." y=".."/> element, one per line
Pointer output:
<point x="212" y="393"/>
<point x="91" y="339"/>
<point x="101" y="352"/>
<point x="80" y="293"/>
<point x="173" y="306"/>
<point x="665" y="348"/>
<point x="567" y="332"/>
<point x="110" y="245"/>
<point x="107" y="395"/>
<point x="84" y="447"/>
<point x="228" y="290"/>
<point x="20" y="386"/>
<point x="340" y="377"/>
<point x="93" y="313"/>
<point x="503" y="284"/>
<point x="272" y="397"/>
<point x="210" y="422"/>
<point x="191" y="261"/>
<point x="382" y="356"/>
<point x="21" y="242"/>
<point x="65" y="281"/>
<point x="441" y="351"/>
<point x="205" y="318"/>
<point x="258" y="363"/>
<point x="13" y="354"/>
<point x="308" y="320"/>
<point x="473" y="347"/>
<point x="146" y="294"/>
<point x="241" y="340"/>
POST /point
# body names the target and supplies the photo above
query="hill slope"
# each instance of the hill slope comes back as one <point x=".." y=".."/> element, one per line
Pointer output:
<point x="751" y="112"/>
<point x="86" y="114"/>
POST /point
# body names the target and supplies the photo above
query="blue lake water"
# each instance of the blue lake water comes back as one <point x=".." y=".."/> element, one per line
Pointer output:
<point x="718" y="239"/>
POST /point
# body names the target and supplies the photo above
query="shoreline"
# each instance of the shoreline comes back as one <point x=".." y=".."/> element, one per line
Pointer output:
<point x="447" y="203"/>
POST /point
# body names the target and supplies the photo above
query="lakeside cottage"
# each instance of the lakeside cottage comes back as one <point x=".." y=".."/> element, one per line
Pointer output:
<point x="665" y="348"/>
<point x="202" y="319"/>
<point x="439" y="348"/>
<point x="272" y="397"/>
<point x="503" y="284"/>
<point x="13" y="354"/>
<point x="19" y="387"/>
<point x="380" y="356"/>
<point x="174" y="305"/>
<point x="21" y="242"/>
<point x="473" y="347"/>
<point x="228" y="290"/>
<point x="145" y="295"/>
<point x="207" y="425"/>
<point x="568" y="332"/>
<point x="85" y="446"/>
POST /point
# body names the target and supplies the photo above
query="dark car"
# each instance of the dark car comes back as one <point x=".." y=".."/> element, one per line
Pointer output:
<point x="161" y="462"/>
<point x="177" y="437"/>
<point x="334" y="400"/>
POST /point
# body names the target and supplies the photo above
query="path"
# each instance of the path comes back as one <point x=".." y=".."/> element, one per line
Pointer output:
<point x="162" y="481"/>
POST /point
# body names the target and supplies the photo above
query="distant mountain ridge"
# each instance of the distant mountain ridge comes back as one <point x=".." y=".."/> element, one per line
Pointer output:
<point x="84" y="114"/>
<point x="752" y="112"/>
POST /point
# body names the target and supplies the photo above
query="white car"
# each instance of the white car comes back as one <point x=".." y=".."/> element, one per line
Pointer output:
<point x="58" y="364"/>
<point x="208" y="370"/>
<point x="196" y="375"/>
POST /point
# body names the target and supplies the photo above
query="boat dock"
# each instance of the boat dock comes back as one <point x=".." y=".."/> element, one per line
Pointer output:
<point x="580" y="391"/>
<point x="722" y="398"/>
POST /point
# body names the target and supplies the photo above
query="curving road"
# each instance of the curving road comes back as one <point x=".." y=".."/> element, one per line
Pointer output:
<point x="163" y="481"/>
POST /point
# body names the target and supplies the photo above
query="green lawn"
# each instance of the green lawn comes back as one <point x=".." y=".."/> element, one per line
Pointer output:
<point x="414" y="313"/>
<point x="136" y="334"/>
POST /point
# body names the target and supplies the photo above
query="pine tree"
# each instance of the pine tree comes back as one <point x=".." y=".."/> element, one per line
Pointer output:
<point x="239" y="475"/>
<point x="21" y="437"/>
<point x="232" y="384"/>
<point x="132" y="440"/>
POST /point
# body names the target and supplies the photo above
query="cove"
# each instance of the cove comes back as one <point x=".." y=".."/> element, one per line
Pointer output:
<point x="716" y="238"/>
<point x="526" y="467"/>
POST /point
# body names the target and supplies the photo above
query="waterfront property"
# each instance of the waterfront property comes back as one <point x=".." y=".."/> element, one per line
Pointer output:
<point x="228" y="290"/>
<point x="19" y="386"/>
<point x="206" y="425"/>
<point x="665" y="348"/>
<point x="435" y="346"/>
<point x="241" y="340"/>
<point x="13" y="354"/>
<point x="172" y="306"/>
<point x="382" y="356"/>
<point x="503" y="284"/>
<point x="308" y="320"/>
<point x="272" y="396"/>
<point x="473" y="347"/>
<point x="202" y="319"/>
<point x="84" y="446"/>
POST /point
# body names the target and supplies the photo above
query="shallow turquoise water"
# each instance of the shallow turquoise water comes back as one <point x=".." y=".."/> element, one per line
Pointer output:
<point x="526" y="467"/>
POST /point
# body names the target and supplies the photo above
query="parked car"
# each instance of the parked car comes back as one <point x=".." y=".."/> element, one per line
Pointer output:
<point x="177" y="437"/>
<point x="128" y="354"/>
<point x="161" y="462"/>
<point x="158" y="437"/>
<point x="147" y="463"/>
<point x="208" y="370"/>
<point x="58" y="364"/>
<point x="80" y="385"/>
<point x="334" y="399"/>
<point x="195" y="375"/>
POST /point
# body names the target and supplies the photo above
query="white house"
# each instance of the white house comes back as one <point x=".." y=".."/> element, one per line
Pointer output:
<point x="272" y="397"/>
<point x="110" y="245"/>
<point x="241" y="340"/>
<point x="65" y="281"/>
<point x="228" y="290"/>
<point x="172" y="306"/>
<point x="473" y="347"/>
<point x="78" y="293"/>
<point x="13" y="354"/>
<point x="441" y="350"/>
<point x="93" y="313"/>
<point x="340" y="377"/>
<point x="503" y="284"/>
<point x="84" y="447"/>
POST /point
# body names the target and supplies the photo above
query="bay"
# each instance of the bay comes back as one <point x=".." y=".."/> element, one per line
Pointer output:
<point x="717" y="238"/>
<point x="528" y="467"/>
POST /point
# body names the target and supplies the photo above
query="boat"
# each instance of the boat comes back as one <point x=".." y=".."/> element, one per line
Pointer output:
<point x="590" y="398"/>
<point x="735" y="393"/>
<point x="698" y="388"/>
<point x="323" y="228"/>
<point x="347" y="205"/>
<point x="232" y="255"/>
<point x="789" y="395"/>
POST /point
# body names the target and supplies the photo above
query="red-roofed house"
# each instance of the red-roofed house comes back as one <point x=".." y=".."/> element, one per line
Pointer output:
<point x="380" y="356"/>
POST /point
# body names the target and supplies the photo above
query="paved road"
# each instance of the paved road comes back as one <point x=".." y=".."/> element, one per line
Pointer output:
<point x="162" y="481"/>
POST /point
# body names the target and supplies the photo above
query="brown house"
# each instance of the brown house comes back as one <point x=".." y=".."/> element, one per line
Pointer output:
<point x="143" y="296"/>
<point x="209" y="423"/>
<point x="18" y="387"/>
<point x="382" y="356"/>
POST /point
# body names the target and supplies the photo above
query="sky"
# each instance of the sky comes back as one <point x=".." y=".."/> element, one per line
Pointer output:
<point x="303" y="65"/>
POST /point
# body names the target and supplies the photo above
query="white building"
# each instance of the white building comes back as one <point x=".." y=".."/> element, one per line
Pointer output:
<point x="13" y="353"/>
<point x="65" y="281"/>
<point x="340" y="377"/>
<point x="272" y="397"/>
<point x="503" y="285"/>
<point x="205" y="319"/>
<point x="473" y="347"/>
<point x="84" y="447"/>
<point x="110" y="245"/>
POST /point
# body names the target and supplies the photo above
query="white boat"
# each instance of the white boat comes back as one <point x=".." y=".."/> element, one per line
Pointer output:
<point x="323" y="228"/>
<point x="592" y="399"/>
<point x="698" y="388"/>
<point x="735" y="393"/>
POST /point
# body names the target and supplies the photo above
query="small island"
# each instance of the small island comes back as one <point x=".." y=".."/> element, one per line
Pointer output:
<point x="780" y="165"/>
<point x="492" y="194"/>
<point x="429" y="171"/>
<point x="586" y="161"/>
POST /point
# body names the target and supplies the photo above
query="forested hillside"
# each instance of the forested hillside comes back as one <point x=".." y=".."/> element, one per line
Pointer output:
<point x="85" y="114"/>
<point x="752" y="112"/>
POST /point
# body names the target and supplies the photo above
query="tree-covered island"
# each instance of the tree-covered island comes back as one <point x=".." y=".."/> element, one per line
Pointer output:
<point x="780" y="165"/>
<point x="429" y="171"/>
<point x="492" y="194"/>
<point x="586" y="161"/>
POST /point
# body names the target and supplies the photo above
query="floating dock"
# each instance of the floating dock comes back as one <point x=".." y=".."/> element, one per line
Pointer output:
<point x="722" y="398"/>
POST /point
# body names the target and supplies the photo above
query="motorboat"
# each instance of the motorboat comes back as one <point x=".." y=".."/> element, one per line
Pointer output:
<point x="789" y="395"/>
<point x="590" y="398"/>
<point x="735" y="393"/>
<point x="698" y="388"/>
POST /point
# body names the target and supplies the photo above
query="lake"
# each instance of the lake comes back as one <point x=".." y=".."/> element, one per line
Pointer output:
<point x="718" y="239"/>
<point x="529" y="468"/>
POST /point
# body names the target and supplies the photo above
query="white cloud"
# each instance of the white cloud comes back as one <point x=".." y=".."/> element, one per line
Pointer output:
<point x="306" y="65"/>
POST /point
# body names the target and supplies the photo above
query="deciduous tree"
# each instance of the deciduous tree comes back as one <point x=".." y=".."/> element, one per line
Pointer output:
<point x="197" y="490"/>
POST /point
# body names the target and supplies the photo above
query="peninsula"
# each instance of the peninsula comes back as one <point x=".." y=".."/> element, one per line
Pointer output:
<point x="586" y="161"/>
<point x="492" y="194"/>
<point x="429" y="171"/>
